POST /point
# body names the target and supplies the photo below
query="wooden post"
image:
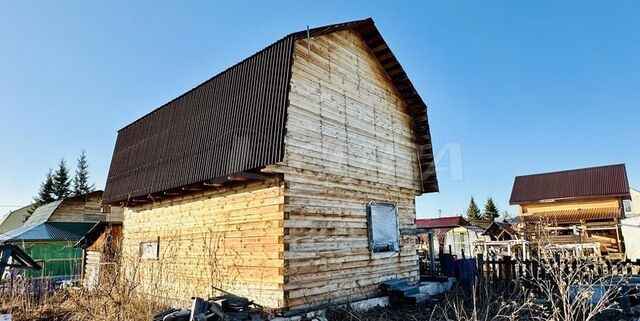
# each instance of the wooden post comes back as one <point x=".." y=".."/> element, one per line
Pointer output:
<point x="480" y="267"/>
<point x="462" y="251"/>
<point x="507" y="268"/>
<point x="432" y="257"/>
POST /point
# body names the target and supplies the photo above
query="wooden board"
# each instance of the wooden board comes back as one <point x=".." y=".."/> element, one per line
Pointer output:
<point x="349" y="141"/>
<point x="232" y="238"/>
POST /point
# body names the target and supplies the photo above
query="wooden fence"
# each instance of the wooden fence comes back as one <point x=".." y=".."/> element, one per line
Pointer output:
<point x="508" y="269"/>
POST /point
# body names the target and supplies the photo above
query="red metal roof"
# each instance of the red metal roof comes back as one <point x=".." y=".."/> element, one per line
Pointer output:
<point x="608" y="180"/>
<point x="442" y="222"/>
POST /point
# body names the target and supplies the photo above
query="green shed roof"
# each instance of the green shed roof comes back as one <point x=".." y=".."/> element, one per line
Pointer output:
<point x="54" y="231"/>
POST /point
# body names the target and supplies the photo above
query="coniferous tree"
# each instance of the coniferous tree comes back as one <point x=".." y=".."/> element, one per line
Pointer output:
<point x="61" y="181"/>
<point x="45" y="194"/>
<point x="81" y="179"/>
<point x="473" y="212"/>
<point x="490" y="210"/>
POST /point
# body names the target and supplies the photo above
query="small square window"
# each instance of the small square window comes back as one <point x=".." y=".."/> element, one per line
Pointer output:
<point x="627" y="206"/>
<point x="149" y="250"/>
<point x="383" y="227"/>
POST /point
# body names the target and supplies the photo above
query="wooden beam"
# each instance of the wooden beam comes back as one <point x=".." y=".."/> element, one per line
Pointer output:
<point x="216" y="182"/>
<point x="192" y="188"/>
<point x="244" y="176"/>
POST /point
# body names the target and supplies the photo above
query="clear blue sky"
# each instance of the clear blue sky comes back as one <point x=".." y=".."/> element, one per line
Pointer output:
<point x="515" y="87"/>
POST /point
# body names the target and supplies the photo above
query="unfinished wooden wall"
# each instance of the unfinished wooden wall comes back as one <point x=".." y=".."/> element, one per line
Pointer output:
<point x="79" y="209"/>
<point x="231" y="238"/>
<point x="348" y="141"/>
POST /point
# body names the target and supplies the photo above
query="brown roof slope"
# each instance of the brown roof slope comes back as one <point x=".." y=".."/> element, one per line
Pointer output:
<point x="449" y="221"/>
<point x="608" y="180"/>
<point x="235" y="122"/>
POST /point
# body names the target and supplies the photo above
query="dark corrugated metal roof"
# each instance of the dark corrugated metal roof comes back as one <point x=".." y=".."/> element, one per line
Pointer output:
<point x="608" y="180"/>
<point x="54" y="231"/>
<point x="442" y="222"/>
<point x="235" y="122"/>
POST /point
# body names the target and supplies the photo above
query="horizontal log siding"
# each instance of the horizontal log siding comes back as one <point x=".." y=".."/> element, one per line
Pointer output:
<point x="231" y="238"/>
<point x="349" y="140"/>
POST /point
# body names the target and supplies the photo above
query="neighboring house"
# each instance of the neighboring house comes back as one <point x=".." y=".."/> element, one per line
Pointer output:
<point x="632" y="206"/>
<point x="101" y="253"/>
<point x="51" y="231"/>
<point x="500" y="231"/>
<point x="289" y="178"/>
<point x="452" y="235"/>
<point x="15" y="219"/>
<point x="630" y="226"/>
<point x="567" y="208"/>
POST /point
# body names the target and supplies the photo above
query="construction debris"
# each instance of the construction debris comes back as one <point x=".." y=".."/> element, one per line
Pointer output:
<point x="227" y="307"/>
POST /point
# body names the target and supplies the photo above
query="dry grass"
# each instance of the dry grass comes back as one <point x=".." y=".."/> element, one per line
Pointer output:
<point x="566" y="294"/>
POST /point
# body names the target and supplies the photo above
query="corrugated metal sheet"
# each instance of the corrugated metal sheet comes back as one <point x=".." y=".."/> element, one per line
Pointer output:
<point x="235" y="122"/>
<point x="42" y="213"/>
<point x="442" y="222"/>
<point x="573" y="215"/>
<point x="55" y="231"/>
<point x="579" y="183"/>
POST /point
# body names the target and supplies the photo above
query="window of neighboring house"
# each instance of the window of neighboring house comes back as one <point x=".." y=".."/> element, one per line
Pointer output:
<point x="627" y="206"/>
<point x="383" y="227"/>
<point x="149" y="250"/>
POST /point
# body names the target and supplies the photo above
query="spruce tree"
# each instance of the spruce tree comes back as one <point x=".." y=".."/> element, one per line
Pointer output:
<point x="61" y="181"/>
<point x="81" y="179"/>
<point x="491" y="210"/>
<point x="45" y="194"/>
<point x="473" y="212"/>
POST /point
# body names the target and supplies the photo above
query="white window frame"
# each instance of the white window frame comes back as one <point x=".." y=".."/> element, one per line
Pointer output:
<point x="150" y="255"/>
<point x="394" y="245"/>
<point x="626" y="203"/>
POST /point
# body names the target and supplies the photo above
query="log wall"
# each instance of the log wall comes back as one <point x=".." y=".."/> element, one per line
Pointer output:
<point x="79" y="209"/>
<point x="231" y="238"/>
<point x="349" y="140"/>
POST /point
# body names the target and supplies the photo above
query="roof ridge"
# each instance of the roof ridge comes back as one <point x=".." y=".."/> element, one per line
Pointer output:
<point x="572" y="170"/>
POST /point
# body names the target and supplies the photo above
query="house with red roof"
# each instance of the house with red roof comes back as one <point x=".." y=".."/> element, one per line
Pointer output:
<point x="451" y="234"/>
<point x="572" y="208"/>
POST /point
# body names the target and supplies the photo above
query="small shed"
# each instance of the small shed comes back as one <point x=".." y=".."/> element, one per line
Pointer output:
<point x="101" y="252"/>
<point x="452" y="234"/>
<point x="49" y="234"/>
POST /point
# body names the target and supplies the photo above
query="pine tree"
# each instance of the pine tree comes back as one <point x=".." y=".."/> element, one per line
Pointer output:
<point x="61" y="181"/>
<point x="81" y="179"/>
<point x="45" y="194"/>
<point x="473" y="212"/>
<point x="491" y="210"/>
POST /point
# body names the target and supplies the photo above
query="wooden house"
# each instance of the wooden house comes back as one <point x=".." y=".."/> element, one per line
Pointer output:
<point x="573" y="208"/>
<point x="289" y="178"/>
<point x="49" y="233"/>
